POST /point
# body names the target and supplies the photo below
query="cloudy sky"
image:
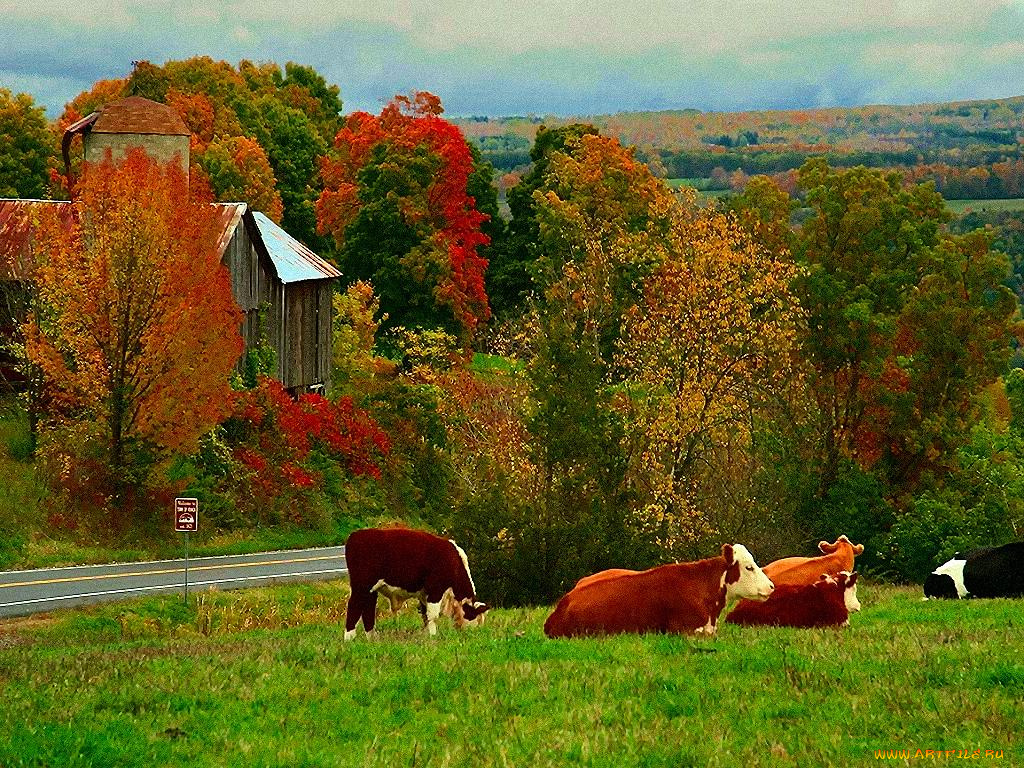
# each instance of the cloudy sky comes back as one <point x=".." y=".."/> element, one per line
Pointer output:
<point x="545" y="56"/>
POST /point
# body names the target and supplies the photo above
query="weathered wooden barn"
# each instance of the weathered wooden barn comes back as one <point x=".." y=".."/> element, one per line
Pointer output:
<point x="283" y="288"/>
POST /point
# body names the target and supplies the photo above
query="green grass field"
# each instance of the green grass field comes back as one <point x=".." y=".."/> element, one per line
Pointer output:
<point x="263" y="678"/>
<point x="960" y="207"/>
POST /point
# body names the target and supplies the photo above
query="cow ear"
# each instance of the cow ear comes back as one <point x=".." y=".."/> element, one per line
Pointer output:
<point x="858" y="549"/>
<point x="852" y="580"/>
<point x="827" y="549"/>
<point x="727" y="554"/>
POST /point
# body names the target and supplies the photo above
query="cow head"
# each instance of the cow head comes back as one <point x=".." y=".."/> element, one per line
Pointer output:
<point x="743" y="577"/>
<point x="848" y="583"/>
<point x="468" y="613"/>
<point x="947" y="580"/>
<point x="842" y="541"/>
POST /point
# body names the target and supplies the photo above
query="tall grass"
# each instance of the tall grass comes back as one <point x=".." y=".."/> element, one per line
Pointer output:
<point x="263" y="678"/>
<point x="20" y="489"/>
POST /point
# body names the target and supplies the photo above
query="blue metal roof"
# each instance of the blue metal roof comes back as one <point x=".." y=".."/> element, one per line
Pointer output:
<point x="292" y="261"/>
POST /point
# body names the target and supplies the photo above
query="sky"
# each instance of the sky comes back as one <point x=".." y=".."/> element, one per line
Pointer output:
<point x="544" y="57"/>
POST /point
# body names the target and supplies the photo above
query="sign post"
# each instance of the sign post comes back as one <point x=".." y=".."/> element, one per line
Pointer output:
<point x="186" y="520"/>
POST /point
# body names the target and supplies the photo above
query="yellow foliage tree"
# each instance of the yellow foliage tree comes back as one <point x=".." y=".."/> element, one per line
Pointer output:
<point x="707" y="346"/>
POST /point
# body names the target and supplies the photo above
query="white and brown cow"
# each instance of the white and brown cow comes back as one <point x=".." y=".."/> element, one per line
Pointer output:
<point x="828" y="602"/>
<point x="682" y="598"/>
<point x="399" y="563"/>
<point x="806" y="570"/>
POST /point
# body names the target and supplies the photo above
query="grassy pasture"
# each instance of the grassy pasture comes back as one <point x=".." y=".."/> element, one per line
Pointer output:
<point x="960" y="207"/>
<point x="263" y="678"/>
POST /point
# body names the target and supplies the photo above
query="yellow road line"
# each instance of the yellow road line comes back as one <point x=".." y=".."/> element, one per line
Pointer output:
<point x="167" y="570"/>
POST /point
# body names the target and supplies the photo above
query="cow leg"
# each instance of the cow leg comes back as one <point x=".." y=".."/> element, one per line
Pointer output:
<point x="370" y="613"/>
<point x="353" y="613"/>
<point x="430" y="613"/>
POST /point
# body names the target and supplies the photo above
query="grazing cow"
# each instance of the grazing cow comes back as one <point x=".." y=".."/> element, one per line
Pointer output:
<point x="828" y="602"/>
<point x="986" y="572"/>
<point x="399" y="563"/>
<point x="678" y="598"/>
<point x="806" y="570"/>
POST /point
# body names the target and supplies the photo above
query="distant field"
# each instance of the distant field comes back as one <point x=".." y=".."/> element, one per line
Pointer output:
<point x="960" y="207"/>
<point x="263" y="677"/>
<point x="699" y="184"/>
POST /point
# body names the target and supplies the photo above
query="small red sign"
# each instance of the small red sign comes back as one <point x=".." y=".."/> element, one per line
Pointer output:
<point x="186" y="515"/>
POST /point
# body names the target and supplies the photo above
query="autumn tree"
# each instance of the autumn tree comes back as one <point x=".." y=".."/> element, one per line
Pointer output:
<point x="601" y="219"/>
<point x="509" y="277"/>
<point x="396" y="203"/>
<point x="139" y="332"/>
<point x="906" y="325"/>
<point x="706" y="353"/>
<point x="238" y="170"/>
<point x="26" y="148"/>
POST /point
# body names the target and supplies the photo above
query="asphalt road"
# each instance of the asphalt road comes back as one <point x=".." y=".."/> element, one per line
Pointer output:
<point x="26" y="592"/>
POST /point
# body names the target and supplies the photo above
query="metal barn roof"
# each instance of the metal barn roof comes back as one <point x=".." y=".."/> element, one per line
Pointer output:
<point x="292" y="261"/>
<point x="18" y="221"/>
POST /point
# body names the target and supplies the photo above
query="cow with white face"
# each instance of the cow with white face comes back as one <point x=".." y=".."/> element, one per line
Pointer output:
<point x="826" y="603"/>
<point x="681" y="598"/>
<point x="399" y="564"/>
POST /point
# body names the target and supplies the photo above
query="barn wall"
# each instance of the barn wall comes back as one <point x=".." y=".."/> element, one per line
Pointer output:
<point x="161" y="148"/>
<point x="251" y="286"/>
<point x="308" y="334"/>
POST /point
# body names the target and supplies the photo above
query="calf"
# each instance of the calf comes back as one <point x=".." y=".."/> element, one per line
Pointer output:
<point x="987" y="572"/>
<point x="806" y="570"/>
<point x="826" y="603"/>
<point x="399" y="563"/>
<point x="679" y="598"/>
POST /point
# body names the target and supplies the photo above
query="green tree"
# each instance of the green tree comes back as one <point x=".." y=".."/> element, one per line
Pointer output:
<point x="26" y="147"/>
<point x="509" y="277"/>
<point x="397" y="201"/>
<point x="906" y="324"/>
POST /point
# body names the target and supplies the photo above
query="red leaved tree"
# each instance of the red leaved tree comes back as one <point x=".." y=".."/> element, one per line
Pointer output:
<point x="395" y="201"/>
<point x="138" y="331"/>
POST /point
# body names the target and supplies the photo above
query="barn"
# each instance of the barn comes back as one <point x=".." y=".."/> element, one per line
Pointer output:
<point x="283" y="288"/>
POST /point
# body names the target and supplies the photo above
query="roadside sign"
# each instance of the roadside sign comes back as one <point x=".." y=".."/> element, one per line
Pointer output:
<point x="186" y="515"/>
<point x="186" y="520"/>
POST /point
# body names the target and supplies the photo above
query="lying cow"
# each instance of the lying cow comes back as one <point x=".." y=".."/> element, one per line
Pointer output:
<point x="399" y="564"/>
<point x="611" y="573"/>
<point x="806" y="570"/>
<point x="987" y="572"/>
<point x="679" y="598"/>
<point x="828" y="602"/>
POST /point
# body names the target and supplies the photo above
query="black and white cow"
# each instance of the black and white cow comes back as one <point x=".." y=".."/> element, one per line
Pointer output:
<point x="986" y="572"/>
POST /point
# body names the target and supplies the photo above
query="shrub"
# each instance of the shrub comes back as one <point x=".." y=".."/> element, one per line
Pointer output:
<point x="277" y="460"/>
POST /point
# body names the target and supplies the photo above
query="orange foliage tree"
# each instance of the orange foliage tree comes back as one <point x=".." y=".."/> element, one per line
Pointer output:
<point x="138" y="332"/>
<point x="395" y="199"/>
<point x="238" y="169"/>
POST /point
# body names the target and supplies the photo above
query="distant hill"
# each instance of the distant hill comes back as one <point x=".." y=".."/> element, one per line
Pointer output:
<point x="929" y="141"/>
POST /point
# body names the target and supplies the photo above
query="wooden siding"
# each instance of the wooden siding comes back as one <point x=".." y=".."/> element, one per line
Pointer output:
<point x="251" y="286"/>
<point x="296" y="316"/>
<point x="307" y="334"/>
